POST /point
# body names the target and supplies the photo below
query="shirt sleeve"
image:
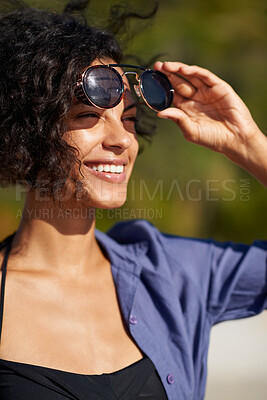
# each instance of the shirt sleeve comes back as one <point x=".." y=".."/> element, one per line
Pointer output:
<point x="231" y="278"/>
<point x="238" y="281"/>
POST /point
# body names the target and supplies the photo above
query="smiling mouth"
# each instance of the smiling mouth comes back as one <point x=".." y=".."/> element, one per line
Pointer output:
<point x="109" y="168"/>
<point x="113" y="172"/>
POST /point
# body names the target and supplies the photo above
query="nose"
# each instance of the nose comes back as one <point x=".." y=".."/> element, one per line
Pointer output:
<point x="117" y="138"/>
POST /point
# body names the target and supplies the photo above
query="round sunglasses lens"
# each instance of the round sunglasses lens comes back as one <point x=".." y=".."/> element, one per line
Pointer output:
<point x="156" y="89"/>
<point x="103" y="86"/>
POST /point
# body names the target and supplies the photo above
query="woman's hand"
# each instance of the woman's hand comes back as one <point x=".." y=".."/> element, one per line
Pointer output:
<point x="211" y="114"/>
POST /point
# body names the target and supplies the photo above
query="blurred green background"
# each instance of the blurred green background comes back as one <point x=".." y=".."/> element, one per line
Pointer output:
<point x="178" y="186"/>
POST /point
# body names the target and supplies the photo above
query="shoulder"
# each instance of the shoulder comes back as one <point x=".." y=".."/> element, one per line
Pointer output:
<point x="137" y="231"/>
<point x="176" y="252"/>
<point x="167" y="261"/>
<point x="133" y="231"/>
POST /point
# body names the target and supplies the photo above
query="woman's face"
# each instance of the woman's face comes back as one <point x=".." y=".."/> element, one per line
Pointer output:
<point x="107" y="147"/>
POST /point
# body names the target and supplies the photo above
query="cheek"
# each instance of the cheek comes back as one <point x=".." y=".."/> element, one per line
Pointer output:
<point x="82" y="140"/>
<point x="135" y="148"/>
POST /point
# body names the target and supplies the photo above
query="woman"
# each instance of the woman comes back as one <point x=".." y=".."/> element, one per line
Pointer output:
<point x="85" y="315"/>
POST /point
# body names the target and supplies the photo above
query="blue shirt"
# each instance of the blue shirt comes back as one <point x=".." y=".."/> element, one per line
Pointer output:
<point x="172" y="290"/>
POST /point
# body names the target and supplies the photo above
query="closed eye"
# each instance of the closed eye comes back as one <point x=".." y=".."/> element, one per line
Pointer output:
<point x="87" y="115"/>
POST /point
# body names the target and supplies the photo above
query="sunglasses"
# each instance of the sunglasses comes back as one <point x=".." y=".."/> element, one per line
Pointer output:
<point x="103" y="86"/>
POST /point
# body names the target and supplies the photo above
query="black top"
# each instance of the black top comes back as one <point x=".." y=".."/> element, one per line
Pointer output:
<point x="19" y="381"/>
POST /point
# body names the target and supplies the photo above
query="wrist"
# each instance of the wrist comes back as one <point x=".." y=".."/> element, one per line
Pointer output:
<point x="253" y="156"/>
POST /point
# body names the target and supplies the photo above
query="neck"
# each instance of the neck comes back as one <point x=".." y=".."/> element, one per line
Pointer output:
<point x="61" y="239"/>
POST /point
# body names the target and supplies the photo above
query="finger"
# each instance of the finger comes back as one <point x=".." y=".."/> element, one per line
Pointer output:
<point x="182" y="86"/>
<point x="178" y="100"/>
<point x="170" y="66"/>
<point x="192" y="81"/>
<point x="181" y="119"/>
<point x="197" y="76"/>
<point x="200" y="75"/>
<point x="179" y="83"/>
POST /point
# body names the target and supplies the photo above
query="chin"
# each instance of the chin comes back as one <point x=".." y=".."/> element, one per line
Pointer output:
<point x="106" y="199"/>
<point x="110" y="203"/>
<point x="99" y="195"/>
<point x="110" y="206"/>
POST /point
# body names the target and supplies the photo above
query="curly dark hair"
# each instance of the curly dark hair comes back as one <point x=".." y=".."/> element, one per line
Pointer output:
<point x="41" y="54"/>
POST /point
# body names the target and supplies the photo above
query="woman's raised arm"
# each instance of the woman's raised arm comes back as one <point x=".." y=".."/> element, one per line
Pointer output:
<point x="211" y="114"/>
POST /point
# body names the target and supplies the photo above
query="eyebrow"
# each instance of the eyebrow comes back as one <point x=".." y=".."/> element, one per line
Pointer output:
<point x="129" y="107"/>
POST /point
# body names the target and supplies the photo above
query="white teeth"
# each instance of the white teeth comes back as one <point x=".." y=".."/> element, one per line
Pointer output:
<point x="118" y="169"/>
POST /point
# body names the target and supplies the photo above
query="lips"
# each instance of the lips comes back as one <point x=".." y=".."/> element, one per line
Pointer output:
<point x="112" y="170"/>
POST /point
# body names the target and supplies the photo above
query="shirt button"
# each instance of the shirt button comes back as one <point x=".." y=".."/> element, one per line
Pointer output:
<point x="133" y="320"/>
<point x="170" y="379"/>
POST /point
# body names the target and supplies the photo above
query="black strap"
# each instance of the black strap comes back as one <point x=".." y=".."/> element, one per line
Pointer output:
<point x="3" y="281"/>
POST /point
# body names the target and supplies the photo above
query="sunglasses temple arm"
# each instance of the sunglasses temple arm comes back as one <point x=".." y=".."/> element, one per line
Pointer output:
<point x="127" y="66"/>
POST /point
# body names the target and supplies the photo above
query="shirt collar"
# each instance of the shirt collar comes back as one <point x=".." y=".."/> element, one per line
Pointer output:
<point x="125" y="256"/>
